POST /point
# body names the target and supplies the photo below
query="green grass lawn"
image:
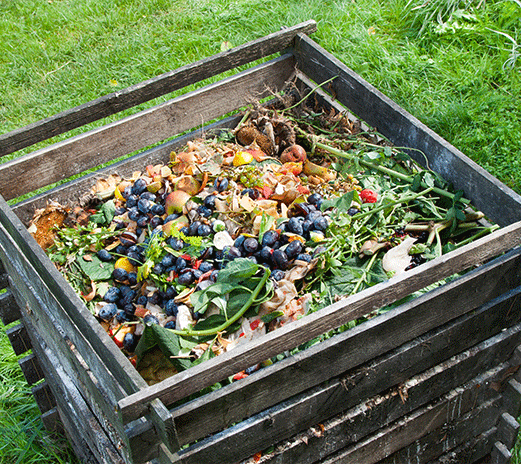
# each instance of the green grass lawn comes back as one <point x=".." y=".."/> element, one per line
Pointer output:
<point x="454" y="65"/>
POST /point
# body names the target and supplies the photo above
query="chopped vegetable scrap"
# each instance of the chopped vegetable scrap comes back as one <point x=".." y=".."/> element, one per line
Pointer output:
<point x="243" y="232"/>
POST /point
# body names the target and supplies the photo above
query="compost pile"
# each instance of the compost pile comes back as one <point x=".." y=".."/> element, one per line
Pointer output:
<point x="243" y="232"/>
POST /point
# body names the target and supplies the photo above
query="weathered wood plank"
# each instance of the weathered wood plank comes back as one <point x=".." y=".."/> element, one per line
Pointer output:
<point x="9" y="310"/>
<point x="405" y="431"/>
<point x="470" y="452"/>
<point x="44" y="398"/>
<point x="228" y="405"/>
<point x="512" y="397"/>
<point x="58" y="289"/>
<point x="19" y="339"/>
<point x="60" y="337"/>
<point x="31" y="369"/>
<point x="489" y="195"/>
<point x="507" y="430"/>
<point x="78" y="418"/>
<point x="69" y="191"/>
<point x="52" y="422"/>
<point x="447" y="437"/>
<point x="500" y="454"/>
<point x="4" y="278"/>
<point x="372" y="413"/>
<point x="151" y="88"/>
<point x="98" y="146"/>
<point x="46" y="313"/>
<point x="292" y="335"/>
<point x="357" y="389"/>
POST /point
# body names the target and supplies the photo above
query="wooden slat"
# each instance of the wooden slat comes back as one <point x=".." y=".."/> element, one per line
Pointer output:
<point x="507" y="430"/>
<point x="373" y="413"/>
<point x="73" y="189"/>
<point x="9" y="310"/>
<point x="151" y="88"/>
<point x="52" y="422"/>
<point x="98" y="146"/>
<point x="19" y="339"/>
<point x="470" y="452"/>
<point x="55" y="333"/>
<point x="226" y="406"/>
<point x="405" y="431"/>
<point x="60" y="294"/>
<point x="489" y="195"/>
<point x="447" y="437"/>
<point x="512" y="397"/>
<point x="4" y="278"/>
<point x="500" y="454"/>
<point x="44" y="398"/>
<point x="356" y="390"/>
<point x="292" y="335"/>
<point x="31" y="369"/>
<point x="78" y="417"/>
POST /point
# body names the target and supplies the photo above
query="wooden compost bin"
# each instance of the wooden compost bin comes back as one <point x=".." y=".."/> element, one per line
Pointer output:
<point x="433" y="380"/>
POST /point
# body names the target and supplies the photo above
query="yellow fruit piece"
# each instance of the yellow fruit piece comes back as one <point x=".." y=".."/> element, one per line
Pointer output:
<point x="124" y="263"/>
<point x="242" y="157"/>
<point x="117" y="194"/>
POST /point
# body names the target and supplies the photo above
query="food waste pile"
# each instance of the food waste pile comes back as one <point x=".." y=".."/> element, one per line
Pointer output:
<point x="248" y="230"/>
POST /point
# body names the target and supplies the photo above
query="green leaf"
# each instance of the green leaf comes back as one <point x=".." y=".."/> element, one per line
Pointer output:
<point x="105" y="213"/>
<point x="211" y="322"/>
<point x="96" y="269"/>
<point x="265" y="225"/>
<point x="342" y="203"/>
<point x="237" y="270"/>
<point x="167" y="341"/>
<point x="235" y="303"/>
<point x="271" y="316"/>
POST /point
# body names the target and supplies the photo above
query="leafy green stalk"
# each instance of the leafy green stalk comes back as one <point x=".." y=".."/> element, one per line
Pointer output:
<point x="231" y="320"/>
<point x="383" y="169"/>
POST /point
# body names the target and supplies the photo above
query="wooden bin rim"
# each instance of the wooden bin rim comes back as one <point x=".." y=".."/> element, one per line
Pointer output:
<point x="137" y="404"/>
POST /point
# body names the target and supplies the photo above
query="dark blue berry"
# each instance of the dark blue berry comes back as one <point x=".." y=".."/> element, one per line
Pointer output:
<point x="269" y="238"/>
<point x="107" y="312"/>
<point x="140" y="185"/>
<point x="209" y="202"/>
<point x="280" y="259"/>
<point x="170" y="325"/>
<point x="204" y="230"/>
<point x="134" y="214"/>
<point x="204" y="211"/>
<point x="150" y="319"/>
<point x="205" y="266"/>
<point x="129" y="342"/>
<point x="112" y="295"/>
<point x="104" y="255"/>
<point x="250" y="245"/>
<point x="277" y="274"/>
<point x="180" y="264"/>
<point x="122" y="316"/>
<point x="221" y="184"/>
<point x="144" y="205"/>
<point x="132" y="278"/>
<point x="186" y="278"/>
<point x="168" y="260"/>
<point x="352" y="211"/>
<point x="148" y="196"/>
<point x="170" y="308"/>
<point x="132" y="201"/>
<point x="304" y="257"/>
<point x="320" y="223"/>
<point x="157" y="209"/>
<point x="314" y="199"/>
<point x="120" y="275"/>
<point x="293" y="249"/>
<point x="142" y="300"/>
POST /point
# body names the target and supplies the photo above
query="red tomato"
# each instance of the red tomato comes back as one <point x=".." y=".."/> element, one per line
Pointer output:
<point x="368" y="196"/>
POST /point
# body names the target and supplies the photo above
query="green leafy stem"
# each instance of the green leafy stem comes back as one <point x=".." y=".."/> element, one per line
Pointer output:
<point x="234" y="318"/>
<point x="385" y="170"/>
